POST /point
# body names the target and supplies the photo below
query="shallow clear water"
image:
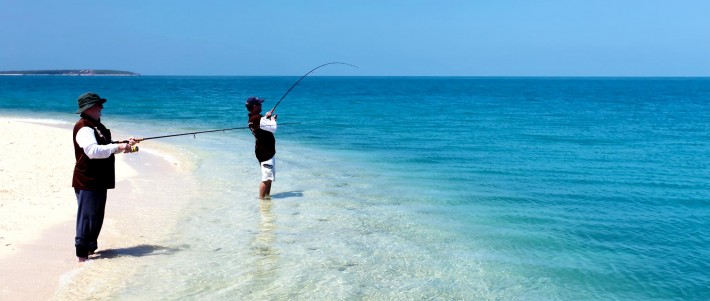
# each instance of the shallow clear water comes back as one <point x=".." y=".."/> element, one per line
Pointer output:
<point x="423" y="188"/>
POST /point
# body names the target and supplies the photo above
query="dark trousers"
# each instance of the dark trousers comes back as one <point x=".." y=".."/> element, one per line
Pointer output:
<point x="89" y="219"/>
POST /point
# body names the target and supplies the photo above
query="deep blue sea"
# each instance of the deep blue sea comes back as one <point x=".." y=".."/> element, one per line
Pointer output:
<point x="419" y="188"/>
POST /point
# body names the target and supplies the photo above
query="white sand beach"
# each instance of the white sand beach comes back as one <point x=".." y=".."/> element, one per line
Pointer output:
<point x="38" y="210"/>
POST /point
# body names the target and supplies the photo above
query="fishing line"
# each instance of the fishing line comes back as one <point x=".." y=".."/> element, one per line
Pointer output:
<point x="304" y="76"/>
<point x="194" y="133"/>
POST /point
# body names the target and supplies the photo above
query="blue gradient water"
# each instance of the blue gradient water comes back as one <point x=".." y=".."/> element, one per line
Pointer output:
<point x="424" y="187"/>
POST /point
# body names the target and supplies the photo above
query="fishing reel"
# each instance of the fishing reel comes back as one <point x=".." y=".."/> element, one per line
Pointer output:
<point x="131" y="149"/>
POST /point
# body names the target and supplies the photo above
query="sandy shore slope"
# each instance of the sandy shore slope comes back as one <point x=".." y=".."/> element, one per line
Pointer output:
<point x="37" y="208"/>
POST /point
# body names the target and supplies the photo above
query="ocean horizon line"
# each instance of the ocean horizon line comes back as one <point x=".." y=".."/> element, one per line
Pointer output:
<point x="387" y="76"/>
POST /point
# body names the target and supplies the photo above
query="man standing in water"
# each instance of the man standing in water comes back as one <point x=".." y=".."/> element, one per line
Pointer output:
<point x="263" y="128"/>
<point x="94" y="172"/>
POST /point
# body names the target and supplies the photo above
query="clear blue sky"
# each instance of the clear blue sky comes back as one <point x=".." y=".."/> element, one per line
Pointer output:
<point x="412" y="37"/>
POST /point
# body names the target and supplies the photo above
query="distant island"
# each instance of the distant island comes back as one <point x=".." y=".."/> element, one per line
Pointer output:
<point x="84" y="72"/>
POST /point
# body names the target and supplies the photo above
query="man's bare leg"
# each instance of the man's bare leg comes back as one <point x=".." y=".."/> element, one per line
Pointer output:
<point x="265" y="189"/>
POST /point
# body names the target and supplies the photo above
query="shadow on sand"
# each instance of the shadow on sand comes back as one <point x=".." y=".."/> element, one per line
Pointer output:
<point x="138" y="251"/>
<point x="288" y="194"/>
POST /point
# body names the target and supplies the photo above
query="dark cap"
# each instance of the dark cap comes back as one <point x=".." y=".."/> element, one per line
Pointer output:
<point x="251" y="101"/>
<point x="87" y="100"/>
<point x="254" y="100"/>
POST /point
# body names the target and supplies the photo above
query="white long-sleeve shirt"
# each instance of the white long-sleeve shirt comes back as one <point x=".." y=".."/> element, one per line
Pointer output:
<point x="87" y="141"/>
<point x="268" y="124"/>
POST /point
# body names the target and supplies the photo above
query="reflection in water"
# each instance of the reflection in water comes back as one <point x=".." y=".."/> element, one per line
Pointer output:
<point x="266" y="255"/>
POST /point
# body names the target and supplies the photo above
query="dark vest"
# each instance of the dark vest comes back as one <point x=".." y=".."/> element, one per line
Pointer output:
<point x="93" y="174"/>
<point x="265" y="147"/>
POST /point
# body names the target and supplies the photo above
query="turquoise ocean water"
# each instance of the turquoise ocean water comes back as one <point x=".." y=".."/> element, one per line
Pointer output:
<point x="412" y="188"/>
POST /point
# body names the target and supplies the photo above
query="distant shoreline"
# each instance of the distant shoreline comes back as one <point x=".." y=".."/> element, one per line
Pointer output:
<point x="70" y="72"/>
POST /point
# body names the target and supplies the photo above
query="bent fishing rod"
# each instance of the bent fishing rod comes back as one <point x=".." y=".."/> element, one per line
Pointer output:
<point x="194" y="133"/>
<point x="302" y="77"/>
<point x="244" y="127"/>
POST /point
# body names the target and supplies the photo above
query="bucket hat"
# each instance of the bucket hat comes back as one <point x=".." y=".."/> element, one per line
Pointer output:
<point x="87" y="100"/>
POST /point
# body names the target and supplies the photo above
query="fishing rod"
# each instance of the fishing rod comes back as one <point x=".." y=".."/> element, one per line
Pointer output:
<point x="244" y="127"/>
<point x="302" y="77"/>
<point x="193" y="133"/>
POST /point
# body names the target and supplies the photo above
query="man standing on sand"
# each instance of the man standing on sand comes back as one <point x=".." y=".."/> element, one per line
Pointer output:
<point x="94" y="172"/>
<point x="263" y="128"/>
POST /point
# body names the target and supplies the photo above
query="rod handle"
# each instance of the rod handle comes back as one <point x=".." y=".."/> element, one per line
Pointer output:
<point x="126" y="141"/>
